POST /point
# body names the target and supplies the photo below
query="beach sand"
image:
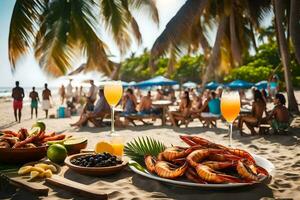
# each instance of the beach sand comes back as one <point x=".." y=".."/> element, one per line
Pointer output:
<point x="282" y="151"/>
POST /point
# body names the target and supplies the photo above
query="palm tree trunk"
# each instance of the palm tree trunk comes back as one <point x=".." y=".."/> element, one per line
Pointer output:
<point x="116" y="71"/>
<point x="284" y="52"/>
<point x="214" y="59"/>
<point x="253" y="37"/>
<point x="204" y="43"/>
<point x="295" y="27"/>
<point x="171" y="63"/>
<point x="234" y="40"/>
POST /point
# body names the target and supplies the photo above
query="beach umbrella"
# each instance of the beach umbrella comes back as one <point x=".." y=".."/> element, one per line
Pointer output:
<point x="159" y="80"/>
<point x="125" y="84"/>
<point x="239" y="84"/>
<point x="212" y="85"/>
<point x="189" y="84"/>
<point x="132" y="83"/>
<point x="262" y="85"/>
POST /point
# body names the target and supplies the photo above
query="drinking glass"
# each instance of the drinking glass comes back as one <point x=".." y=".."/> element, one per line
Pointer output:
<point x="113" y="91"/>
<point x="230" y="108"/>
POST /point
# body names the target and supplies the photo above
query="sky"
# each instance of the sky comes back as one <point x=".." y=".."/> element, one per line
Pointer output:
<point x="28" y="71"/>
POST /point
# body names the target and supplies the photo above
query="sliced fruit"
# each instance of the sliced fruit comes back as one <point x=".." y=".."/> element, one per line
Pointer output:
<point x="46" y="167"/>
<point x="24" y="170"/>
<point x="34" y="174"/>
<point x="47" y="173"/>
<point x="75" y="144"/>
<point x="57" y="153"/>
<point x="56" y="142"/>
<point x="34" y="130"/>
<point x="75" y="140"/>
<point x="38" y="169"/>
<point x="102" y="147"/>
<point x="40" y="124"/>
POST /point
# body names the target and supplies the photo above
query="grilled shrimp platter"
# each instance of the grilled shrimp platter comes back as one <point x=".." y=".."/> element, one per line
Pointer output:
<point x="206" y="164"/>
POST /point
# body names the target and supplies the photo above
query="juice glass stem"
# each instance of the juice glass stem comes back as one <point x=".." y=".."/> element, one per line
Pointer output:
<point x="112" y="120"/>
<point x="230" y="134"/>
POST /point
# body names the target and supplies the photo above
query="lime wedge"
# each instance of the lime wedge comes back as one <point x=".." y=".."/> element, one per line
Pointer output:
<point x="34" y="131"/>
<point x="75" y="140"/>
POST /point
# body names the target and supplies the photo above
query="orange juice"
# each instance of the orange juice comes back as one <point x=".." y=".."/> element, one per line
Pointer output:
<point x="118" y="149"/>
<point x="230" y="106"/>
<point x="113" y="92"/>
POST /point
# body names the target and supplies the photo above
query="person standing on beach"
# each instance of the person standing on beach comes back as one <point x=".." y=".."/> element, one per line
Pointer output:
<point x="92" y="94"/>
<point x="46" y="99"/>
<point x="62" y="93"/>
<point x="69" y="92"/>
<point x="34" y="102"/>
<point x="18" y="95"/>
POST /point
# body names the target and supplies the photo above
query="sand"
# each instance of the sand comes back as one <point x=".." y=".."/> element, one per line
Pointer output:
<point x="282" y="151"/>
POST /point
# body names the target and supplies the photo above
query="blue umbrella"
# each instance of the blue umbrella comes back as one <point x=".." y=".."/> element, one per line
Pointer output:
<point x="159" y="80"/>
<point x="190" y="84"/>
<point x="239" y="84"/>
<point x="212" y="85"/>
<point x="132" y="83"/>
<point x="125" y="84"/>
<point x="262" y="85"/>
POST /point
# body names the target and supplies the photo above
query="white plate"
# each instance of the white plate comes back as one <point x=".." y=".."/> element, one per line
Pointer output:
<point x="259" y="160"/>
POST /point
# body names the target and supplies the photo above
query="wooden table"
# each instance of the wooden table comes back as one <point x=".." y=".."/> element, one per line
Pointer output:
<point x="164" y="104"/>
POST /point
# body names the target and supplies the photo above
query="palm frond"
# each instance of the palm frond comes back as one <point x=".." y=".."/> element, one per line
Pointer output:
<point x="179" y="27"/>
<point x="141" y="146"/>
<point x="114" y="16"/>
<point x="258" y="10"/>
<point x="134" y="25"/>
<point x="52" y="48"/>
<point x="84" y="26"/>
<point x="22" y="28"/>
<point x="150" y="5"/>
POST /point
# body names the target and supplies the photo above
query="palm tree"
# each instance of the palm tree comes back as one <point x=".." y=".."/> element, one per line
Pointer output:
<point x="58" y="31"/>
<point x="284" y="53"/>
<point x="295" y="27"/>
<point x="234" y="36"/>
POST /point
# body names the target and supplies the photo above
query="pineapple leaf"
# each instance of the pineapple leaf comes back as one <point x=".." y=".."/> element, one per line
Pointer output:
<point x="141" y="146"/>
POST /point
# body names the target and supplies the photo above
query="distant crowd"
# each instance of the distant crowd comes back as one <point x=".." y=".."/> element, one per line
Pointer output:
<point x="189" y="103"/>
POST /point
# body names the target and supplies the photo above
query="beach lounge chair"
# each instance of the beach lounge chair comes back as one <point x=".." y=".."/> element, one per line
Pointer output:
<point x="139" y="116"/>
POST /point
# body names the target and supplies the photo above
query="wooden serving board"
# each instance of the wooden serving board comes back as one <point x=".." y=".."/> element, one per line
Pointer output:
<point x="75" y="187"/>
<point x="35" y="187"/>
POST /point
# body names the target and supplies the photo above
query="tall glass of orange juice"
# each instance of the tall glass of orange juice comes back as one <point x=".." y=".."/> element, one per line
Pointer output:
<point x="113" y="91"/>
<point x="113" y="142"/>
<point x="230" y="108"/>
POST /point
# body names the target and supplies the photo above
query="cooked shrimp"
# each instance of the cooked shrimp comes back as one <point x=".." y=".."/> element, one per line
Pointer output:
<point x="150" y="163"/>
<point x="194" y="140"/>
<point x="215" y="165"/>
<point x="198" y="155"/>
<point x="168" y="170"/>
<point x="242" y="154"/>
<point x="176" y="152"/>
<point x="212" y="176"/>
<point x="192" y="175"/>
<point x="246" y="170"/>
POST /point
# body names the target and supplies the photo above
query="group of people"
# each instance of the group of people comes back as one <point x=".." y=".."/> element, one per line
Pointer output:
<point x="278" y="117"/>
<point x="18" y="95"/>
<point x="205" y="105"/>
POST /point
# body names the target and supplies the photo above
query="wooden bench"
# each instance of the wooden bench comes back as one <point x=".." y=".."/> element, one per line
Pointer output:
<point x="206" y="121"/>
<point x="264" y="129"/>
<point x="141" y="117"/>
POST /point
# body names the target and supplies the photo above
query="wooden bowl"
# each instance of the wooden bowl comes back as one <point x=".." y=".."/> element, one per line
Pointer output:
<point x="22" y="155"/>
<point x="76" y="148"/>
<point x="93" y="171"/>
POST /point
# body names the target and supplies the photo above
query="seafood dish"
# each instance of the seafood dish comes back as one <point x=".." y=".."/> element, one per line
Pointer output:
<point x="27" y="138"/>
<point x="205" y="162"/>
